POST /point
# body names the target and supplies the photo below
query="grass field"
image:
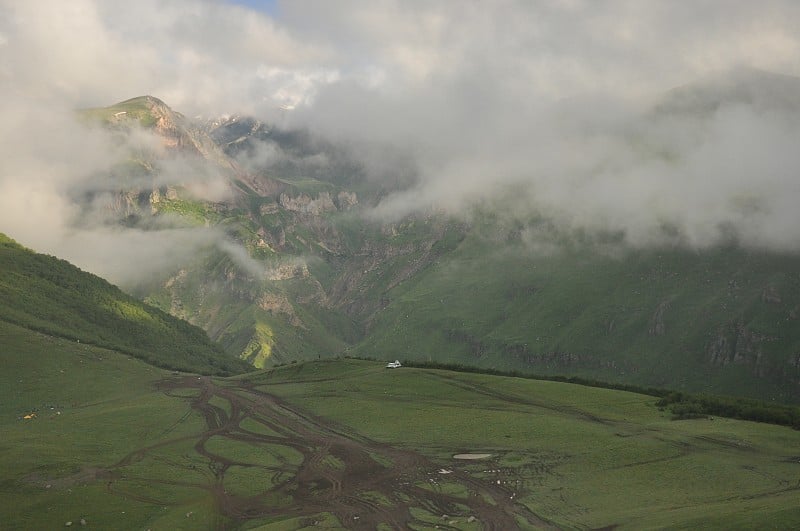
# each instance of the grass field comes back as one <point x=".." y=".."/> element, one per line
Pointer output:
<point x="92" y="407"/>
<point x="348" y="443"/>
<point x="576" y="456"/>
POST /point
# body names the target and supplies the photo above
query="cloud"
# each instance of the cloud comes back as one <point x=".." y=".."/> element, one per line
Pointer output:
<point x="200" y="56"/>
<point x="555" y="101"/>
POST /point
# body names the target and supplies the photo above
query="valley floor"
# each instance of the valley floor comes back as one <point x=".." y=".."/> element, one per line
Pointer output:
<point x="351" y="444"/>
<point x="315" y="467"/>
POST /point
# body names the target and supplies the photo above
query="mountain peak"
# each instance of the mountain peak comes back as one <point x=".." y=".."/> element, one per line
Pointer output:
<point x="144" y="100"/>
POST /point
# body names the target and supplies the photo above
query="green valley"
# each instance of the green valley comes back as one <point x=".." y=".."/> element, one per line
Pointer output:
<point x="351" y="444"/>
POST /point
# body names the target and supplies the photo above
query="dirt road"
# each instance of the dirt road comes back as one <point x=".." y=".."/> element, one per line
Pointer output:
<point x="362" y="482"/>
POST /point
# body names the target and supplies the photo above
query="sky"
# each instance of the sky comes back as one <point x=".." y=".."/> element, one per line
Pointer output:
<point x="553" y="100"/>
<point x="267" y="7"/>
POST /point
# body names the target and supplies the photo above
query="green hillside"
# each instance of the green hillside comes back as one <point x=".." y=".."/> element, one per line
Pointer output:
<point x="49" y="295"/>
<point x="723" y="320"/>
<point x="116" y="443"/>
<point x="88" y="407"/>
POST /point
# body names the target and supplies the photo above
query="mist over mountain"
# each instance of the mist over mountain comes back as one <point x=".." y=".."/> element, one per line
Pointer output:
<point x="425" y="180"/>
<point x="553" y="98"/>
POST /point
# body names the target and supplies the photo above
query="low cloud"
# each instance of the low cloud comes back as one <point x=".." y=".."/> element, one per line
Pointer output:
<point x="719" y="168"/>
<point x="566" y="105"/>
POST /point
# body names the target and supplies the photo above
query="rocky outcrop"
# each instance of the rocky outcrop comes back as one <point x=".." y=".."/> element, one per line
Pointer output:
<point x="287" y="271"/>
<point x="346" y="200"/>
<point x="126" y="203"/>
<point x="657" y="326"/>
<point x="176" y="304"/>
<point x="738" y="345"/>
<point x="733" y="344"/>
<point x="268" y="208"/>
<point x="280" y="305"/>
<point x="304" y="204"/>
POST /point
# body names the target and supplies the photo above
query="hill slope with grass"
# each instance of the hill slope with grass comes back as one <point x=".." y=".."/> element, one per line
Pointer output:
<point x="92" y="435"/>
<point x="48" y="295"/>
<point x="723" y="320"/>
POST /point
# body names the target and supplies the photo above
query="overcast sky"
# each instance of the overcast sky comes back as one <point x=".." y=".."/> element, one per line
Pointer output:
<point x="215" y="56"/>
<point x="547" y="95"/>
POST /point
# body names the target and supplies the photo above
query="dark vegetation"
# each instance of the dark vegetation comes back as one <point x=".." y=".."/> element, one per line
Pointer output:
<point x="687" y="406"/>
<point x="681" y="405"/>
<point x="52" y="296"/>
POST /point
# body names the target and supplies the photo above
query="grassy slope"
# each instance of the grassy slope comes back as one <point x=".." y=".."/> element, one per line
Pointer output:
<point x="50" y="295"/>
<point x="579" y="456"/>
<point x="135" y="109"/>
<point x="585" y="312"/>
<point x="93" y="406"/>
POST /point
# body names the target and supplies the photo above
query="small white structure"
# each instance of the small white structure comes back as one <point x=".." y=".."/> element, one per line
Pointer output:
<point x="393" y="364"/>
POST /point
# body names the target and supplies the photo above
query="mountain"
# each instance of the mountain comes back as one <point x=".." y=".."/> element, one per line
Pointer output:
<point x="51" y="296"/>
<point x="151" y="113"/>
<point x="273" y="291"/>
<point x="723" y="320"/>
<point x="296" y="268"/>
<point x="304" y="272"/>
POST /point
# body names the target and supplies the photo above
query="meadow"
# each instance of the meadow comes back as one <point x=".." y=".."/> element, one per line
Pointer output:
<point x="350" y="443"/>
<point x="578" y="456"/>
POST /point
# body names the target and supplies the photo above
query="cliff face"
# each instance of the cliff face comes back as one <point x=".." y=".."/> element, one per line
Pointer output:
<point x="304" y="204"/>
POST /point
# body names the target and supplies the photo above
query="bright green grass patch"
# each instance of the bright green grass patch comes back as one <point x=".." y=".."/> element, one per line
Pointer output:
<point x="269" y="456"/>
<point x="251" y="480"/>
<point x="195" y="212"/>
<point x="253" y="425"/>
